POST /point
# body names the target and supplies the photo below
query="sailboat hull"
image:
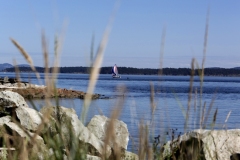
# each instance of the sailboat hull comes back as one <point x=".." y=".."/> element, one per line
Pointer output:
<point x="116" y="76"/>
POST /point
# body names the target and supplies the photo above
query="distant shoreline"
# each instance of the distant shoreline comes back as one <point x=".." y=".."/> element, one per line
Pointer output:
<point x="224" y="72"/>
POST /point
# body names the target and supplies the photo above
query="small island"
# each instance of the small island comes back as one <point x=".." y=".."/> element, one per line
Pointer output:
<point x="30" y="91"/>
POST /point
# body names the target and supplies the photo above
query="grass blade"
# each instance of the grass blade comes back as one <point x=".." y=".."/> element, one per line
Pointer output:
<point x="26" y="56"/>
<point x="96" y="68"/>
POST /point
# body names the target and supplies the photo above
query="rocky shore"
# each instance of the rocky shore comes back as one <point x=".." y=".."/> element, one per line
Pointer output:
<point x="57" y="131"/>
<point x="31" y="91"/>
<point x="205" y="145"/>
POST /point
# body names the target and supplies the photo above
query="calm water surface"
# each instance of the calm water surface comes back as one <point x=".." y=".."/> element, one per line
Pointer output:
<point x="171" y="99"/>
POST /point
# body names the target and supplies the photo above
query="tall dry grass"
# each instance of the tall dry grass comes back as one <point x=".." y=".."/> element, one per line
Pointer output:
<point x="96" y="65"/>
<point x="150" y="146"/>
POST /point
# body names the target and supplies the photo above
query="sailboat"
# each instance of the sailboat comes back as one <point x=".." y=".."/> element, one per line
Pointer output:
<point x="115" y="72"/>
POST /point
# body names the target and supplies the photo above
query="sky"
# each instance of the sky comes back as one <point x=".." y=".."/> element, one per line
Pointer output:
<point x="136" y="32"/>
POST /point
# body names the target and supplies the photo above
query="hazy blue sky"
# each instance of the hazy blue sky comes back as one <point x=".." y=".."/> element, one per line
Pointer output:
<point x="136" y="32"/>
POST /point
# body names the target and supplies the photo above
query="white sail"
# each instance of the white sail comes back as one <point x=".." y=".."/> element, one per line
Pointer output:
<point x="115" y="69"/>
<point x="115" y="72"/>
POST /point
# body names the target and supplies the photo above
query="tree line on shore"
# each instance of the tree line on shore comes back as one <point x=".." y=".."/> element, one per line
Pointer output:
<point x="139" y="71"/>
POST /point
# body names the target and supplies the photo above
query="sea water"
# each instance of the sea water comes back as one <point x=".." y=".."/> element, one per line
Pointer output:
<point x="171" y="99"/>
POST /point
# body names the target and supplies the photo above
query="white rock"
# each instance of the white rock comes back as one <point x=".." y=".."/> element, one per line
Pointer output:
<point x="4" y="120"/>
<point x="130" y="156"/>
<point x="69" y="120"/>
<point x="38" y="148"/>
<point x="20" y="132"/>
<point x="99" y="125"/>
<point x="29" y="118"/>
<point x="89" y="157"/>
<point x="221" y="144"/>
<point x="216" y="144"/>
<point x="10" y="99"/>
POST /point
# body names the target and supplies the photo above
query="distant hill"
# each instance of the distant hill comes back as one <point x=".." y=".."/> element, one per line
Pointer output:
<point x="23" y="65"/>
<point x="211" y="71"/>
<point x="215" y="71"/>
<point x="214" y="68"/>
<point x="236" y="68"/>
<point x="5" y="65"/>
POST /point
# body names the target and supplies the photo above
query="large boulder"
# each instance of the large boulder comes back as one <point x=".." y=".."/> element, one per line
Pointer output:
<point x="29" y="118"/>
<point x="99" y="127"/>
<point x="9" y="99"/>
<point x="72" y="129"/>
<point x="21" y="139"/>
<point x="32" y="120"/>
<point x="204" y="144"/>
<point x="222" y="144"/>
